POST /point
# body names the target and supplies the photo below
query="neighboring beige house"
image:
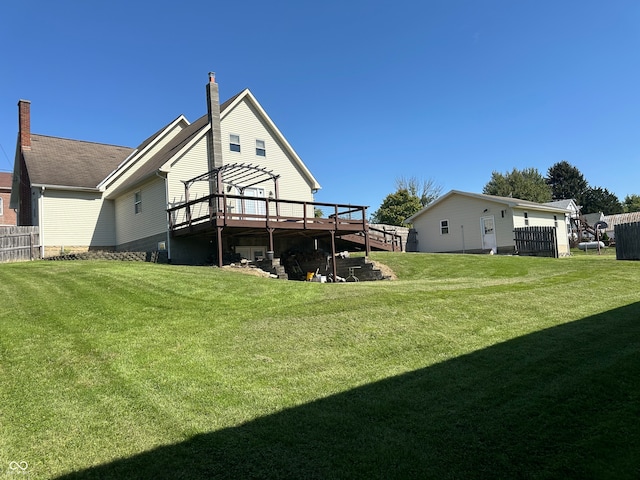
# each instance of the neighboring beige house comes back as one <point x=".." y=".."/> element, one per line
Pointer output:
<point x="85" y="195"/>
<point x="573" y="216"/>
<point x="462" y="222"/>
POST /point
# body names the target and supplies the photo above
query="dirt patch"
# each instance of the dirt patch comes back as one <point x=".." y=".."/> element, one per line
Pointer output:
<point x="255" y="271"/>
<point x="386" y="271"/>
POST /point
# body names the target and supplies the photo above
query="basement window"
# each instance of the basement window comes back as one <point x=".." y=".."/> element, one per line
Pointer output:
<point x="234" y="143"/>
<point x="444" y="227"/>
<point x="137" y="202"/>
<point x="260" y="148"/>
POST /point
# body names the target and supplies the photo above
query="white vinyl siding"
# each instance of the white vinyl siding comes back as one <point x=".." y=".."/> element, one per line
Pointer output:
<point x="152" y="220"/>
<point x="463" y="215"/>
<point x="244" y="121"/>
<point x="78" y="219"/>
<point x="192" y="163"/>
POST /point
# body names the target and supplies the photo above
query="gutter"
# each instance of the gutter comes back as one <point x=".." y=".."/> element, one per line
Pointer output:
<point x="66" y="187"/>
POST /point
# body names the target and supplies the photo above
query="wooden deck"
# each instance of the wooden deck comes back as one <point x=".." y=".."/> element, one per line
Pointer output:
<point x="239" y="215"/>
<point x="222" y="210"/>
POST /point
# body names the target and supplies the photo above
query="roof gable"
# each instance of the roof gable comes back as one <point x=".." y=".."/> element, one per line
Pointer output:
<point x="247" y="96"/>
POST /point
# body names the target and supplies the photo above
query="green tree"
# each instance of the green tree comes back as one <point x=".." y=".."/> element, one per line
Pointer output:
<point x="631" y="203"/>
<point x="601" y="200"/>
<point x="397" y="207"/>
<point x="527" y="184"/>
<point x="566" y="182"/>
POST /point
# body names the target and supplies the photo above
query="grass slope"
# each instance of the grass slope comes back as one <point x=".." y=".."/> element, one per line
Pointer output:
<point x="466" y="367"/>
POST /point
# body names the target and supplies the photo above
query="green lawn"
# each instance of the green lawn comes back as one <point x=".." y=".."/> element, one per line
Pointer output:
<point x="466" y="367"/>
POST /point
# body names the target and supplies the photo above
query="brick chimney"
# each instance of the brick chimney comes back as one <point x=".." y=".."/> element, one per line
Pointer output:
<point x="213" y="111"/>
<point x="24" y="124"/>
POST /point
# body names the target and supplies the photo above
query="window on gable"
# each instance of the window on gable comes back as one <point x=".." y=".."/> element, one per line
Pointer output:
<point x="444" y="227"/>
<point x="234" y="143"/>
<point x="137" y="202"/>
<point x="260" y="148"/>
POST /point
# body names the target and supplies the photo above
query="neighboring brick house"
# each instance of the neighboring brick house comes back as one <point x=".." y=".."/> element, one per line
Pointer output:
<point x="7" y="214"/>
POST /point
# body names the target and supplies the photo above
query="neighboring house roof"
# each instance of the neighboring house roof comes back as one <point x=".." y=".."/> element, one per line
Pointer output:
<point x="620" y="218"/>
<point x="593" y="218"/>
<point x="62" y="162"/>
<point x="5" y="180"/>
<point x="507" y="201"/>
<point x="569" y="205"/>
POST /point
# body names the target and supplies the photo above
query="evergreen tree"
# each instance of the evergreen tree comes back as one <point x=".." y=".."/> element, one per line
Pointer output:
<point x="566" y="182"/>
<point x="631" y="203"/>
<point x="601" y="200"/>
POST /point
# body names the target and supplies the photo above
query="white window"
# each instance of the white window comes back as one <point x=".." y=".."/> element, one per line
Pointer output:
<point x="260" y="148"/>
<point x="1" y="206"/>
<point x="444" y="227"/>
<point x="526" y="218"/>
<point x="137" y="202"/>
<point x="234" y="143"/>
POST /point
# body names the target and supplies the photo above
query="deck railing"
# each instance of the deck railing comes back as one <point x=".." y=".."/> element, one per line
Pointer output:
<point x="221" y="209"/>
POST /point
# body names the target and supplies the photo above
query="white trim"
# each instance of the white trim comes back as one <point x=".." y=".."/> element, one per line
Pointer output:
<point x="66" y="187"/>
<point x="133" y="158"/>
<point x="448" y="227"/>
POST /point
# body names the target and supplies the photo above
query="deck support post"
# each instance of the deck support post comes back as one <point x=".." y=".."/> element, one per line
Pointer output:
<point x="333" y="256"/>
<point x="367" y="243"/>
<point x="219" y="234"/>
<point x="270" y="230"/>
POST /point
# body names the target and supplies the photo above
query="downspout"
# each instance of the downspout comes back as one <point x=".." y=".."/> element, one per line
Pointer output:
<point x="41" y="220"/>
<point x="166" y="202"/>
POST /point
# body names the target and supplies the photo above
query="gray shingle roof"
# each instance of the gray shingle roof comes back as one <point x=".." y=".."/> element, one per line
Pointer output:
<point x="71" y="163"/>
<point x="74" y="163"/>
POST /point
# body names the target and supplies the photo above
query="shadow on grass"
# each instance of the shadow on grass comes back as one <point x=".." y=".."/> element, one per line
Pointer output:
<point x="559" y="403"/>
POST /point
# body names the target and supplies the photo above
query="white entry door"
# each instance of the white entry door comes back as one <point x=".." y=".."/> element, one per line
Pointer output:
<point x="488" y="231"/>
<point x="251" y="206"/>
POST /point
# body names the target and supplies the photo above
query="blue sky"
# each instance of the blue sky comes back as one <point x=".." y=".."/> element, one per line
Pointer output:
<point x="365" y="91"/>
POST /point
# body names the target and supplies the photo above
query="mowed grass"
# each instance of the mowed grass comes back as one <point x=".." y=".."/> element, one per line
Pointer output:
<point x="466" y="367"/>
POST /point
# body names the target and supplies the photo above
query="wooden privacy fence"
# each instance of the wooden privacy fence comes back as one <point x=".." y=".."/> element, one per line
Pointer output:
<point x="538" y="241"/>
<point x="627" y="237"/>
<point x="19" y="244"/>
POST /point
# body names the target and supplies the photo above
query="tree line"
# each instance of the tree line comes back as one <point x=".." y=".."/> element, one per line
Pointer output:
<point x="562" y="182"/>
